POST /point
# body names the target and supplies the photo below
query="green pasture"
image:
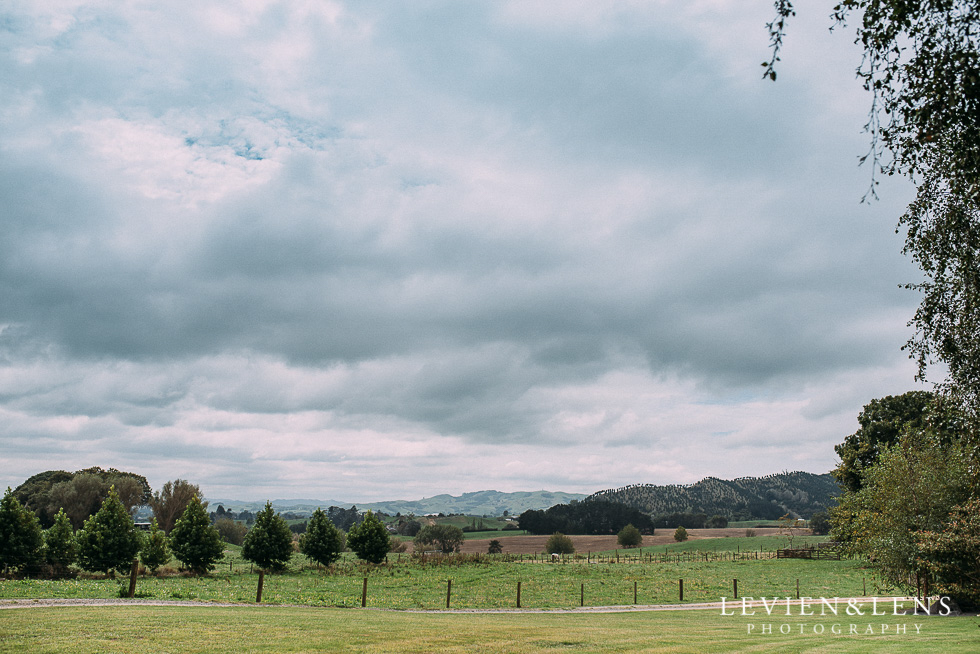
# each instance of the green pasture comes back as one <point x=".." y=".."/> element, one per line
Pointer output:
<point x="244" y="630"/>
<point x="406" y="584"/>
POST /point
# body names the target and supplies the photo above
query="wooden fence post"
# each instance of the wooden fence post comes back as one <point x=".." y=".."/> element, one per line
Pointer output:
<point x="258" y="593"/>
<point x="735" y="588"/>
<point x="582" y="598"/>
<point x="797" y="589"/>
<point x="449" y="591"/>
<point x="364" y="594"/>
<point x="681" y="587"/>
<point x="634" y="592"/>
<point x="518" y="594"/>
<point x="132" y="578"/>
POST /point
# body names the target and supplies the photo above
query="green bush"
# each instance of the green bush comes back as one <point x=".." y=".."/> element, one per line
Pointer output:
<point x="680" y="534"/>
<point x="629" y="537"/>
<point x="559" y="544"/>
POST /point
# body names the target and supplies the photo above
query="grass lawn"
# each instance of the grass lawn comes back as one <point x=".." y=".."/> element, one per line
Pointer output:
<point x="191" y="630"/>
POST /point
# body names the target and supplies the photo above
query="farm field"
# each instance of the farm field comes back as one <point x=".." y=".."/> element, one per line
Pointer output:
<point x="219" y="630"/>
<point x="698" y="539"/>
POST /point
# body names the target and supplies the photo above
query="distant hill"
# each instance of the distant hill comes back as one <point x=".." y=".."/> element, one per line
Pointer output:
<point x="748" y="498"/>
<point x="487" y="502"/>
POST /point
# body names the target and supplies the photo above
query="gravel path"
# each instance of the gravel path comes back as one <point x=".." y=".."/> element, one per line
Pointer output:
<point x="730" y="606"/>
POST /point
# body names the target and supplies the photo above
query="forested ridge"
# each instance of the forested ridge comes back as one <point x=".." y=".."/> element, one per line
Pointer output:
<point x="747" y="498"/>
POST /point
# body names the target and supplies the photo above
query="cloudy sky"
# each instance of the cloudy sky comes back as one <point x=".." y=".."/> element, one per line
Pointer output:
<point x="368" y="251"/>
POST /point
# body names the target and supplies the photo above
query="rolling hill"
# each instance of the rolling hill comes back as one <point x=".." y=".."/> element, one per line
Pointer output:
<point x="766" y="498"/>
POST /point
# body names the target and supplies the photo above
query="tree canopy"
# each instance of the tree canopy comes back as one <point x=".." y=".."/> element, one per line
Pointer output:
<point x="448" y="538"/>
<point x="921" y="66"/>
<point x="20" y="534"/>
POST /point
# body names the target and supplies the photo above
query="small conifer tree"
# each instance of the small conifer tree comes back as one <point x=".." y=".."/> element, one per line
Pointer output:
<point x="369" y="539"/>
<point x="109" y="540"/>
<point x="21" y="540"/>
<point x="60" y="547"/>
<point x="322" y="542"/>
<point x="194" y="541"/>
<point x="269" y="543"/>
<point x="155" y="551"/>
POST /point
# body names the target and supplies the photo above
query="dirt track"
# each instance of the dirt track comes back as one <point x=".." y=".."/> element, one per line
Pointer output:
<point x="532" y="544"/>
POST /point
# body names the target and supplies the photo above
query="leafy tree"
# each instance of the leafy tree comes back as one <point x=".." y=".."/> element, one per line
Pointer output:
<point x="80" y="497"/>
<point x="629" y="537"/>
<point x="369" y="539"/>
<point x="20" y="535"/>
<point x="231" y="531"/>
<point x="409" y="527"/>
<point x="322" y="542"/>
<point x="109" y="540"/>
<point x="495" y="547"/>
<point x="169" y="502"/>
<point x="820" y="523"/>
<point x="60" y="548"/>
<point x="882" y="423"/>
<point x="194" y="540"/>
<point x="680" y="534"/>
<point x="921" y="64"/>
<point x="951" y="557"/>
<point x="448" y="538"/>
<point x="34" y="493"/>
<point x="269" y="543"/>
<point x="559" y="543"/>
<point x="886" y="525"/>
<point x="155" y="551"/>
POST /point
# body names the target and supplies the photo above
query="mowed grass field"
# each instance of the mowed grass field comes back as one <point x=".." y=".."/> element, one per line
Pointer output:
<point x="192" y="630"/>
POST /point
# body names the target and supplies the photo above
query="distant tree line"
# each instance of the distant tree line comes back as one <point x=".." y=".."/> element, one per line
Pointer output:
<point x="592" y="517"/>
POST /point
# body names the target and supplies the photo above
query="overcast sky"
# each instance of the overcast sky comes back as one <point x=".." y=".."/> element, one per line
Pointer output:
<point x="366" y="251"/>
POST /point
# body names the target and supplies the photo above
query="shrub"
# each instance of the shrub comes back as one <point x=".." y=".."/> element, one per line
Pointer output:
<point x="680" y="534"/>
<point x="495" y="547"/>
<point x="194" y="541"/>
<point x="559" y="544"/>
<point x="322" y="542"/>
<point x="269" y="543"/>
<point x="629" y="536"/>
<point x="369" y="539"/>
<point x="749" y="533"/>
<point x="109" y="540"/>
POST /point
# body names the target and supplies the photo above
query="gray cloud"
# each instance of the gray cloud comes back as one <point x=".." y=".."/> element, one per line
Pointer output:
<point x="261" y="239"/>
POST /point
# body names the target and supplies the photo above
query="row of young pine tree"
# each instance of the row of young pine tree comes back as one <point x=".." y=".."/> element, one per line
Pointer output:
<point x="109" y="541"/>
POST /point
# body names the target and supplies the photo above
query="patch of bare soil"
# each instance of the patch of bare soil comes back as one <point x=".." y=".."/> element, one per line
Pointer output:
<point x="532" y="544"/>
